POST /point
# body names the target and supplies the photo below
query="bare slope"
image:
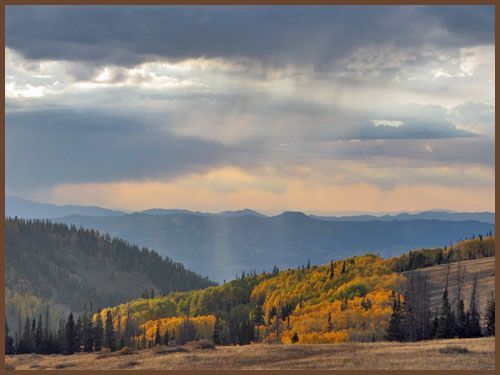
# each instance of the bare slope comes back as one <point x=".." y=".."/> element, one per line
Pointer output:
<point x="485" y="270"/>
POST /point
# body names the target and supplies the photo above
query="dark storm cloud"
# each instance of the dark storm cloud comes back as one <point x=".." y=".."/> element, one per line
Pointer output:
<point x="316" y="35"/>
<point x="62" y="146"/>
<point x="467" y="21"/>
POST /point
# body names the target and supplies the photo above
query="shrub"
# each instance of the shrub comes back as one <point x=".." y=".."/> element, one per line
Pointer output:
<point x="204" y="344"/>
<point x="64" y="365"/>
<point x="129" y="364"/>
<point x="454" y="350"/>
<point x="126" y="351"/>
<point x="161" y="349"/>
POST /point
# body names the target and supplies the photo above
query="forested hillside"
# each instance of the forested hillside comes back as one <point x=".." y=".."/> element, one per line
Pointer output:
<point x="360" y="298"/>
<point x="68" y="267"/>
<point x="346" y="300"/>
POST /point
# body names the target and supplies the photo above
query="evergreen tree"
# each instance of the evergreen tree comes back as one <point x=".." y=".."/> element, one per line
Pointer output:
<point x="217" y="338"/>
<point x="9" y="341"/>
<point x="127" y="334"/>
<point x="166" y="336"/>
<point x="39" y="336"/>
<point x="79" y="333"/>
<point x="474" y="320"/>
<point x="394" y="331"/>
<point x="446" y="322"/>
<point x="25" y="343"/>
<point x="98" y="333"/>
<point x="187" y="332"/>
<point x="71" y="336"/>
<point x="61" y="337"/>
<point x="47" y="343"/>
<point x="109" y="332"/>
<point x="88" y="334"/>
<point x="119" y="338"/>
<point x="461" y="321"/>
<point x="489" y="329"/>
<point x="258" y="315"/>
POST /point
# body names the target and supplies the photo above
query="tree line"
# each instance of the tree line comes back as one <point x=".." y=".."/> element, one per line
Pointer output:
<point x="471" y="248"/>
<point x="71" y="335"/>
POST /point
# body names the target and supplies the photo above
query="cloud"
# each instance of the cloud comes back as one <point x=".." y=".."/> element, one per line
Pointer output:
<point x="56" y="146"/>
<point x="317" y="35"/>
<point x="248" y="102"/>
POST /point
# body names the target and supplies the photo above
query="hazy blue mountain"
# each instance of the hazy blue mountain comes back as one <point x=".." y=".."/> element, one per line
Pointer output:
<point x="33" y="210"/>
<point x="486" y="217"/>
<point x="220" y="246"/>
<point x="162" y="211"/>
<point x="238" y="213"/>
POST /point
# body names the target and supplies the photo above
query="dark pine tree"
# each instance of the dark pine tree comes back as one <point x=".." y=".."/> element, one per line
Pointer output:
<point x="39" y="336"/>
<point x="79" y="333"/>
<point x="474" y="320"/>
<point x="158" y="334"/>
<point x="489" y="329"/>
<point x="394" y="332"/>
<point x="166" y="337"/>
<point x="98" y="333"/>
<point x="88" y="334"/>
<point x="71" y="336"/>
<point x="217" y="338"/>
<point x="331" y="274"/>
<point x="446" y="322"/>
<point x="109" y="332"/>
<point x="461" y="320"/>
<point x="9" y="341"/>
<point x="25" y="343"/>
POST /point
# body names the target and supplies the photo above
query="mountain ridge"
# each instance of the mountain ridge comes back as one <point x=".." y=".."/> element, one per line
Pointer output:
<point x="28" y="209"/>
<point x="219" y="247"/>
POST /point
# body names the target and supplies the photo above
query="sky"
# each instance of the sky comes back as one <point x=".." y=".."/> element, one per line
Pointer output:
<point x="321" y="109"/>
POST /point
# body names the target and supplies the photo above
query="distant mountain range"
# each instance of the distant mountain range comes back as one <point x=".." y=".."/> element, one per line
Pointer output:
<point x="224" y="244"/>
<point x="485" y="217"/>
<point x="33" y="210"/>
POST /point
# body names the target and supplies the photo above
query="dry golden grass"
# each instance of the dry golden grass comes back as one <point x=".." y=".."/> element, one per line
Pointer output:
<point x="473" y="354"/>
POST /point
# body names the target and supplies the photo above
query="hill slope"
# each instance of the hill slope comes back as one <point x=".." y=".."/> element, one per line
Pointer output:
<point x="345" y="300"/>
<point x="33" y="210"/>
<point x="485" y="270"/>
<point x="69" y="268"/>
<point x="221" y="247"/>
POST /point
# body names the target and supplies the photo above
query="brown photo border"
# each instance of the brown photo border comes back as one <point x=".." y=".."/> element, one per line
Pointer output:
<point x="239" y="3"/>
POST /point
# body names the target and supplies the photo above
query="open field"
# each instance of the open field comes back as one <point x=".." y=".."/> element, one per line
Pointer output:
<point x="437" y="354"/>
